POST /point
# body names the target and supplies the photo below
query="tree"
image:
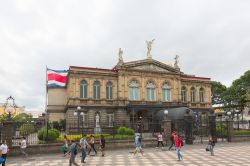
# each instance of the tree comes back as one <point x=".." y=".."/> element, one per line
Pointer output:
<point x="23" y="117"/>
<point x="218" y="90"/>
<point x="237" y="95"/>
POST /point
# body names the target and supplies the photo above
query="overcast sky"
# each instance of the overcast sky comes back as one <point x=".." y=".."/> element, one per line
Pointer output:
<point x="211" y="37"/>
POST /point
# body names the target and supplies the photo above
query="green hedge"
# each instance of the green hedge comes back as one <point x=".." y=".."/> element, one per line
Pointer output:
<point x="241" y="132"/>
<point x="53" y="134"/>
<point x="125" y="131"/>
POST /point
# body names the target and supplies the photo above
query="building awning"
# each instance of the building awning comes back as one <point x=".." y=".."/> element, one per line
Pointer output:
<point x="174" y="113"/>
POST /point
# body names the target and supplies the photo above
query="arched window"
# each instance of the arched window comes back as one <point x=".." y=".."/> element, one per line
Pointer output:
<point x="150" y="91"/>
<point x="96" y="90"/>
<point x="183" y="94"/>
<point x="202" y="95"/>
<point x="109" y="91"/>
<point x="166" y="92"/>
<point x="83" y="89"/>
<point x="134" y="92"/>
<point x="192" y="94"/>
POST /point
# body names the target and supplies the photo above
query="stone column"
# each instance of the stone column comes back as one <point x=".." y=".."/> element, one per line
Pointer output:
<point x="166" y="125"/>
<point x="212" y="124"/>
<point x="230" y="129"/>
<point x="188" y="120"/>
<point x="7" y="132"/>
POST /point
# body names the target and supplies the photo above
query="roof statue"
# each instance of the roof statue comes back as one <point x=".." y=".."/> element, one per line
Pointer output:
<point x="176" y="63"/>
<point x="149" y="46"/>
<point x="120" y="59"/>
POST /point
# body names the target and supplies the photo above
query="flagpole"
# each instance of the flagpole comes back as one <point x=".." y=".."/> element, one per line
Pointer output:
<point x="46" y="104"/>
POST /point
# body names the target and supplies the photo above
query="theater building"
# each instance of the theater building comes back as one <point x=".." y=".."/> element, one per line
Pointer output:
<point x="120" y="96"/>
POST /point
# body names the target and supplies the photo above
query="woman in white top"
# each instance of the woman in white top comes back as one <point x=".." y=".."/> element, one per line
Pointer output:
<point x="160" y="140"/>
<point x="4" y="151"/>
<point x="23" y="146"/>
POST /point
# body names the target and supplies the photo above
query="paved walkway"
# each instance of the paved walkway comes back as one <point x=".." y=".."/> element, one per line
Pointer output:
<point x="228" y="154"/>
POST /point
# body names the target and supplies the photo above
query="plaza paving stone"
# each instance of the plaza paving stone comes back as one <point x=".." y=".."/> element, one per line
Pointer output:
<point x="229" y="154"/>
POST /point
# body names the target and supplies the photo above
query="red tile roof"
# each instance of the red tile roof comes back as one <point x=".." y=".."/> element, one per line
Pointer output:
<point x="92" y="68"/>
<point x="193" y="77"/>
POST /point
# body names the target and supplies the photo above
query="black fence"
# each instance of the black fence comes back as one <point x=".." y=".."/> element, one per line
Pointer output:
<point x="27" y="130"/>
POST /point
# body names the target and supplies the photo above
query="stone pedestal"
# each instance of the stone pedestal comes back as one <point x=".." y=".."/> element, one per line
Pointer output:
<point x="188" y="119"/>
<point x="230" y="128"/>
<point x="7" y="132"/>
<point x="166" y="126"/>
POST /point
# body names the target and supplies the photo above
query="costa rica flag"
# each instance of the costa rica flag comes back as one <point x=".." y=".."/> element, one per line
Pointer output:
<point x="56" y="78"/>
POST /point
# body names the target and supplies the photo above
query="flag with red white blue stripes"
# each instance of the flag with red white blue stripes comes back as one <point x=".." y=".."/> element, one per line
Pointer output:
<point x="56" y="78"/>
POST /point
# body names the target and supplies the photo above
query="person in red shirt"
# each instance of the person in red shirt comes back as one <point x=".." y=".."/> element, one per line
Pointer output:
<point x="178" y="144"/>
<point x="172" y="138"/>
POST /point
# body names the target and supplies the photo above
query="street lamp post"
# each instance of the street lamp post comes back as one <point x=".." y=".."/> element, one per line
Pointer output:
<point x="77" y="113"/>
<point x="140" y="125"/>
<point x="237" y="112"/>
<point x="166" y="114"/>
<point x="228" y="127"/>
<point x="10" y="107"/>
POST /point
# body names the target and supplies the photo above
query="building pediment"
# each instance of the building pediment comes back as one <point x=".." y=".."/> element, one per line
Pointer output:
<point x="148" y="65"/>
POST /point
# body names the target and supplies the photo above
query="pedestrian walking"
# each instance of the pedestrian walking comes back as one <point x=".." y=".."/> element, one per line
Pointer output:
<point x="138" y="148"/>
<point x="160" y="140"/>
<point x="102" y="145"/>
<point x="4" y="151"/>
<point x="172" y="138"/>
<point x="178" y="145"/>
<point x="72" y="152"/>
<point x="92" y="144"/>
<point x="23" y="146"/>
<point x="65" y="147"/>
<point x="84" y="144"/>
<point x="211" y="144"/>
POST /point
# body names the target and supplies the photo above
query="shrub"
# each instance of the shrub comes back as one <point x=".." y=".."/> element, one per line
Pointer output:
<point x="53" y="134"/>
<point x="40" y="133"/>
<point x="241" y="132"/>
<point x="125" y="131"/>
<point x="56" y="131"/>
<point x="121" y="130"/>
<point x="129" y="131"/>
<point x="27" y="129"/>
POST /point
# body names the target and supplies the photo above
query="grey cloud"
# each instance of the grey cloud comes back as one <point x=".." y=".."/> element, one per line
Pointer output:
<point x="211" y="38"/>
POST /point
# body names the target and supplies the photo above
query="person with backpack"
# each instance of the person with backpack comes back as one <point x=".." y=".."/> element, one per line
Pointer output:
<point x="138" y="145"/>
<point x="92" y="144"/>
<point x="178" y="145"/>
<point x="4" y="151"/>
<point x="211" y="144"/>
<point x="172" y="138"/>
<point x="72" y="152"/>
<point x="65" y="145"/>
<point x="84" y="144"/>
<point x="102" y="145"/>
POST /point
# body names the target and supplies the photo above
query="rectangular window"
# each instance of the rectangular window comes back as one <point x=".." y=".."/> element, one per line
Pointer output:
<point x="96" y="92"/>
<point x="202" y="97"/>
<point x="134" y="94"/>
<point x="83" y="91"/>
<point x="183" y="96"/>
<point x="109" y="93"/>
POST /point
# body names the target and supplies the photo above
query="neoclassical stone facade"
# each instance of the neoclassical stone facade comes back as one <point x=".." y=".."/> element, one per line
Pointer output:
<point x="125" y="93"/>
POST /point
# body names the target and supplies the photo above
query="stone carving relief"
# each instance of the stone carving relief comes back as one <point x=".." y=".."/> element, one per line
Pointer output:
<point x="150" y="68"/>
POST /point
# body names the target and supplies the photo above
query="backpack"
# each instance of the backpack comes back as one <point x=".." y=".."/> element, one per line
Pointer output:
<point x="75" y="150"/>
